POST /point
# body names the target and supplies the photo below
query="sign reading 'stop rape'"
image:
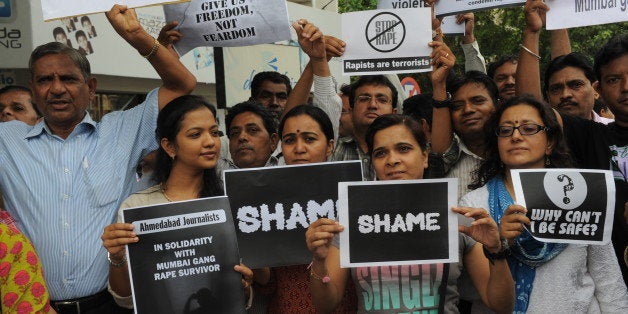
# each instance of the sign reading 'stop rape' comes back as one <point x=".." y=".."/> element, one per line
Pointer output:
<point x="272" y="208"/>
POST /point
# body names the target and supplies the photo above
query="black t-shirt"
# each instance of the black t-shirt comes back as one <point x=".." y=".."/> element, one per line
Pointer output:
<point x="598" y="146"/>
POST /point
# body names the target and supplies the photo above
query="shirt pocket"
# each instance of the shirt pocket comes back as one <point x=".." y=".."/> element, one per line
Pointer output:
<point x="104" y="181"/>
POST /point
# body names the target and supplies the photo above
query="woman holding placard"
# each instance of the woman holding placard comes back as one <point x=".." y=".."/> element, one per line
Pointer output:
<point x="186" y="169"/>
<point x="398" y="150"/>
<point x="524" y="134"/>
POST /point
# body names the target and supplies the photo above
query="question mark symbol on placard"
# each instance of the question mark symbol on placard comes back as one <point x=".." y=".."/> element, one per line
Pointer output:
<point x="568" y="187"/>
<point x="593" y="229"/>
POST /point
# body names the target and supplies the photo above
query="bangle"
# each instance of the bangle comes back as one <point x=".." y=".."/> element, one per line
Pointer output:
<point x="325" y="279"/>
<point x="153" y="50"/>
<point x="530" y="51"/>
<point x="116" y="264"/>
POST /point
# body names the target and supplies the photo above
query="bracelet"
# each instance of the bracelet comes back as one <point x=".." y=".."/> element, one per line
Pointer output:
<point x="325" y="279"/>
<point x="153" y="50"/>
<point x="116" y="264"/>
<point x="530" y="51"/>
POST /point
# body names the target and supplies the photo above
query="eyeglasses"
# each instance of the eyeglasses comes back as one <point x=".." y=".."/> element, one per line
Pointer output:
<point x="380" y="100"/>
<point x="524" y="129"/>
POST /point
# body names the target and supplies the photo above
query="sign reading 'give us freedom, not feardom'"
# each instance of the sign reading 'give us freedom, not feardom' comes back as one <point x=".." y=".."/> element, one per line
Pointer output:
<point x="387" y="41"/>
<point x="55" y="9"/>
<point x="229" y="23"/>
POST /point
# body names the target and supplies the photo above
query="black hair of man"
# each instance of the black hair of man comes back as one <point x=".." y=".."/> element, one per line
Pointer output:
<point x="419" y="107"/>
<point x="376" y="80"/>
<point x="272" y="76"/>
<point x="345" y="89"/>
<point x="456" y="82"/>
<point x="256" y="108"/>
<point x="615" y="48"/>
<point x="575" y="60"/>
<point x="493" y="66"/>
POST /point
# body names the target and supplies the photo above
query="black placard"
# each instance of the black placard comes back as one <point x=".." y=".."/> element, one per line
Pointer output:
<point x="294" y="196"/>
<point x="184" y="260"/>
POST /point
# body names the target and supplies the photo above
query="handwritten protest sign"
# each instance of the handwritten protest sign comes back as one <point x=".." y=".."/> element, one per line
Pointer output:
<point x="449" y="7"/>
<point x="576" y="13"/>
<point x="274" y="206"/>
<point x="229" y="23"/>
<point x="54" y="9"/>
<point x="387" y="41"/>
<point x="398" y="222"/>
<point x="448" y="23"/>
<point x="567" y="205"/>
<point x="184" y="260"/>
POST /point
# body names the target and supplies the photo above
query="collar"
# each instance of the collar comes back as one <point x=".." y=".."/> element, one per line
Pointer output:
<point x="465" y="149"/>
<point x="86" y="125"/>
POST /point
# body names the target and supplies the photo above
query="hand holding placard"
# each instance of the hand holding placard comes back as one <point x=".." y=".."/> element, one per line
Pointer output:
<point x="512" y="222"/>
<point x="535" y="15"/>
<point x="483" y="229"/>
<point x="310" y="38"/>
<point x="319" y="235"/>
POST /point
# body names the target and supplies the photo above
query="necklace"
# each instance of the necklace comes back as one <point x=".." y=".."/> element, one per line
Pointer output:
<point x="163" y="191"/>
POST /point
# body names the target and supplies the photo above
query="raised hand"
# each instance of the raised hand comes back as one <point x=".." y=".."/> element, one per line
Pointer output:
<point x="124" y="21"/>
<point x="535" y="15"/>
<point x="469" y="26"/>
<point x="334" y="47"/>
<point x="311" y="39"/>
<point x="319" y="235"/>
<point x="443" y="60"/>
<point x="483" y="229"/>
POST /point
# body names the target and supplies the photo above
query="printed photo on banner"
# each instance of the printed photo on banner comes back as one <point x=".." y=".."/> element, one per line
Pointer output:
<point x="55" y="9"/>
<point x="448" y="23"/>
<point x="577" y="13"/>
<point x="449" y="7"/>
<point x="229" y="23"/>
<point x="273" y="207"/>
<point x="184" y="260"/>
<point x="567" y="205"/>
<point x="387" y="41"/>
<point x="412" y="224"/>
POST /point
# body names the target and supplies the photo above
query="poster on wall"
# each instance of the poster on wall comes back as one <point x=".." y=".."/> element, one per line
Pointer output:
<point x="578" y="13"/>
<point x="184" y="260"/>
<point x="567" y="205"/>
<point x="274" y="206"/>
<point x="229" y="23"/>
<point x="398" y="222"/>
<point x="387" y="41"/>
<point x="55" y="9"/>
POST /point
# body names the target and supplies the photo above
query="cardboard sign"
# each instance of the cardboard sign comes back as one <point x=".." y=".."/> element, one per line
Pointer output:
<point x="184" y="260"/>
<point x="398" y="222"/>
<point x="55" y="9"/>
<point x="448" y="23"/>
<point x="576" y="13"/>
<point x="567" y="205"/>
<point x="273" y="207"/>
<point x="450" y="7"/>
<point x="229" y="23"/>
<point x="387" y="41"/>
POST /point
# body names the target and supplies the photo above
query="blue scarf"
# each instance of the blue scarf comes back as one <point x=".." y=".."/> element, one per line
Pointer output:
<point x="526" y="252"/>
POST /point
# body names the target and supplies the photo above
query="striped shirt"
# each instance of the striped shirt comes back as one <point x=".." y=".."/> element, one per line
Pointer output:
<point x="461" y="163"/>
<point x="64" y="192"/>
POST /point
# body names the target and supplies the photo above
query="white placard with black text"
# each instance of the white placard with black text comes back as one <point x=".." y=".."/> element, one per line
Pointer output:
<point x="387" y="41"/>
<point x="448" y="23"/>
<point x="404" y="222"/>
<point x="567" y="205"/>
<point x="576" y="13"/>
<point x="229" y="23"/>
<point x="449" y="7"/>
<point x="55" y="9"/>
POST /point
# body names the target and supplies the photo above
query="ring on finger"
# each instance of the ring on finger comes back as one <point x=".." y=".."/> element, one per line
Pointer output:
<point x="447" y="55"/>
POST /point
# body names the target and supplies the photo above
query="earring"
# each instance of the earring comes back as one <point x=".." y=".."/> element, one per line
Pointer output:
<point x="548" y="162"/>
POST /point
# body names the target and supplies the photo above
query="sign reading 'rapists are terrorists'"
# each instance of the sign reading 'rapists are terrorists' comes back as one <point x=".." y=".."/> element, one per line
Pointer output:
<point x="273" y="207"/>
<point x="387" y="41"/>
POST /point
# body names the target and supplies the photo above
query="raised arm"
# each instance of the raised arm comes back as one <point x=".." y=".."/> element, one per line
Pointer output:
<point x="528" y="76"/>
<point x="560" y="43"/>
<point x="473" y="59"/>
<point x="176" y="78"/>
<point x="442" y="130"/>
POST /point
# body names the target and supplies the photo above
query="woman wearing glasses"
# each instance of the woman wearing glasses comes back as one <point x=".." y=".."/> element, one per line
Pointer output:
<point x="522" y="134"/>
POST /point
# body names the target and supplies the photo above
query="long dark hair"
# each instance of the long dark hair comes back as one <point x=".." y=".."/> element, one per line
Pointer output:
<point x="317" y="114"/>
<point x="168" y="126"/>
<point x="492" y="165"/>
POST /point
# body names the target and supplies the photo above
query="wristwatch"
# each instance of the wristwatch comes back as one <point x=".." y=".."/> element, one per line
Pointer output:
<point x="442" y="103"/>
<point x="492" y="257"/>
